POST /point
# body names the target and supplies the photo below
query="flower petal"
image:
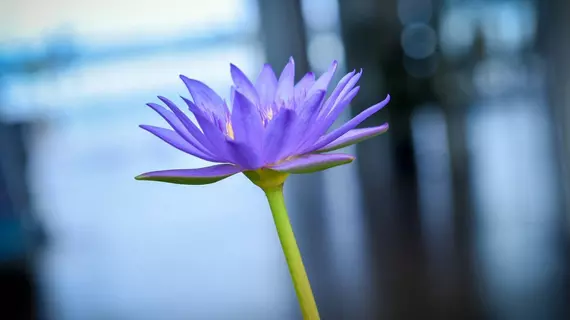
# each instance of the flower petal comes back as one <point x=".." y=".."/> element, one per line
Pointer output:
<point x="285" y="86"/>
<point x="306" y="115"/>
<point x="311" y="106"/>
<point x="319" y="128"/>
<point x="214" y="136"/>
<point x="172" y="120"/>
<point x="247" y="126"/>
<point x="243" y="155"/>
<point x="354" y="136"/>
<point x="313" y="162"/>
<point x="324" y="80"/>
<point x="266" y="85"/>
<point x="303" y="86"/>
<point x="192" y="176"/>
<point x="344" y="94"/>
<point x="175" y="140"/>
<point x="246" y="121"/>
<point x="322" y="124"/>
<point x="276" y="134"/>
<point x="232" y="95"/>
<point x="205" y="97"/>
<point x="351" y="124"/>
<point x="336" y="93"/>
<point x="196" y="137"/>
<point x="244" y="84"/>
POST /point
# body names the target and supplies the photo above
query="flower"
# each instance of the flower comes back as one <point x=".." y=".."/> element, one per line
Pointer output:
<point x="275" y="127"/>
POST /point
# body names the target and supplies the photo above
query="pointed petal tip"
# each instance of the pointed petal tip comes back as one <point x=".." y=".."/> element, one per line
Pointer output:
<point x="239" y="95"/>
<point x="234" y="68"/>
<point x="380" y="105"/>
<point x="188" y="101"/>
<point x="152" y="105"/>
<point x="187" y="80"/>
<point x="334" y="65"/>
<point x="164" y="99"/>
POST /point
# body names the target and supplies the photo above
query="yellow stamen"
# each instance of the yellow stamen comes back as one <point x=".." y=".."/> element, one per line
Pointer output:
<point x="229" y="129"/>
<point x="269" y="114"/>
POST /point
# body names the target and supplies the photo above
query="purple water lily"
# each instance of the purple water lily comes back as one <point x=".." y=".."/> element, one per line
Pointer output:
<point x="275" y="128"/>
<point x="274" y="124"/>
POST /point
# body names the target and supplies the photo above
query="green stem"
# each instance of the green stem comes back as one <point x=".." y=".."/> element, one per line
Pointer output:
<point x="292" y="253"/>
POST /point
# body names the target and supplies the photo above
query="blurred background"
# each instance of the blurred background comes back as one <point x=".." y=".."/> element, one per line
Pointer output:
<point x="460" y="211"/>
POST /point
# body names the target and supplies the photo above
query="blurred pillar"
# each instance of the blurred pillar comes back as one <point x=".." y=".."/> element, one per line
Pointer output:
<point x="14" y="192"/>
<point x="456" y="94"/>
<point x="371" y="32"/>
<point x="16" y="281"/>
<point x="284" y="35"/>
<point x="552" y="42"/>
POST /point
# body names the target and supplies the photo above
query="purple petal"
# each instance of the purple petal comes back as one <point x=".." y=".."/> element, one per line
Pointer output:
<point x="336" y="92"/>
<point x="247" y="124"/>
<point x="232" y="94"/>
<point x="346" y="91"/>
<point x="311" y="106"/>
<point x="340" y="106"/>
<point x="172" y="120"/>
<point x="304" y="85"/>
<point x="306" y="114"/>
<point x="351" y="124"/>
<point x="215" y="137"/>
<point x="205" y="97"/>
<point x="192" y="176"/>
<point x="276" y="135"/>
<point x="195" y="137"/>
<point x="243" y="155"/>
<point x="285" y="86"/>
<point x="313" y="162"/>
<point x="322" y="125"/>
<point x="266" y="85"/>
<point x="243" y="84"/>
<point x="354" y="136"/>
<point x="324" y="80"/>
<point x="174" y="139"/>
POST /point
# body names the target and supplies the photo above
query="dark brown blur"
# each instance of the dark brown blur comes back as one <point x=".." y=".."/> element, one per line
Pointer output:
<point x="460" y="211"/>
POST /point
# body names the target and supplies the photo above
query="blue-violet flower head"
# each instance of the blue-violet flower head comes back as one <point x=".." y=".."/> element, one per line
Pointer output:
<point x="275" y="127"/>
